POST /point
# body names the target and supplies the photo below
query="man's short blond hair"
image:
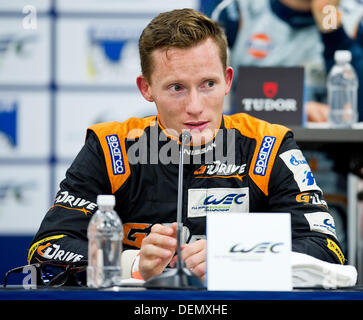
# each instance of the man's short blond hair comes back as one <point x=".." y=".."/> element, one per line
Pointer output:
<point x="182" y="28"/>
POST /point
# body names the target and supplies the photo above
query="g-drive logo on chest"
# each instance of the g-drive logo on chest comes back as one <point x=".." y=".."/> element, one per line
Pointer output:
<point x="221" y="170"/>
<point x="117" y="160"/>
<point x="201" y="201"/>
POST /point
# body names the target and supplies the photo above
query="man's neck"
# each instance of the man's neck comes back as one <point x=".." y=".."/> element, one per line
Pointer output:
<point x="298" y="5"/>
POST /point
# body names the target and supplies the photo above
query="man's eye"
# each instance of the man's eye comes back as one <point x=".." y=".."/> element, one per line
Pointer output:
<point x="176" y="87"/>
<point x="210" y="83"/>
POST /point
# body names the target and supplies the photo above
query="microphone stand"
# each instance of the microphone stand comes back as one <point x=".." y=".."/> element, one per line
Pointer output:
<point x="180" y="277"/>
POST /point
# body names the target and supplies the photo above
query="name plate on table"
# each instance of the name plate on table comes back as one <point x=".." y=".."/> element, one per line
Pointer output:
<point x="249" y="251"/>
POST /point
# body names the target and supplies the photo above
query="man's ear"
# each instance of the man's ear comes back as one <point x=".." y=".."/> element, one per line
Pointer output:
<point x="144" y="88"/>
<point x="229" y="79"/>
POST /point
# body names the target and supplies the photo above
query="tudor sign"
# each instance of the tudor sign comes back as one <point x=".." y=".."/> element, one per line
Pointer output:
<point x="273" y="94"/>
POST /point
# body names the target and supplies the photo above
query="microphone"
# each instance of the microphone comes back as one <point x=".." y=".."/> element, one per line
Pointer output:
<point x="180" y="277"/>
<point x="185" y="137"/>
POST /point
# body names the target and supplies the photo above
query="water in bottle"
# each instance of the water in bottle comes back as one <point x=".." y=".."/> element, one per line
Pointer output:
<point x="105" y="234"/>
<point x="342" y="87"/>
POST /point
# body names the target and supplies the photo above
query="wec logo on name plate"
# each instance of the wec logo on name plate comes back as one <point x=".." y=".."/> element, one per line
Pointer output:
<point x="251" y="251"/>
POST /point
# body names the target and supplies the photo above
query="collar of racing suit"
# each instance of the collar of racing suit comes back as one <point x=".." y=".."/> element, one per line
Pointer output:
<point x="296" y="19"/>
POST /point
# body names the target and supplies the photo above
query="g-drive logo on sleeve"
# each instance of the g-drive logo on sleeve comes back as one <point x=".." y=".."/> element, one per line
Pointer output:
<point x="118" y="166"/>
<point x="264" y="155"/>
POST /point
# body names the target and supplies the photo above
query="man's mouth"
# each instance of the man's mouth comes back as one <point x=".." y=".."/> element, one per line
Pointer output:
<point x="196" y="125"/>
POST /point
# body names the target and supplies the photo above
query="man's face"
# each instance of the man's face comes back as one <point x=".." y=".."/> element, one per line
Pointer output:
<point x="188" y="87"/>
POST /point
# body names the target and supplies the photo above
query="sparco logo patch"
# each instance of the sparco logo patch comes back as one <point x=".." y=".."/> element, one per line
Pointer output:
<point x="264" y="155"/>
<point x="118" y="166"/>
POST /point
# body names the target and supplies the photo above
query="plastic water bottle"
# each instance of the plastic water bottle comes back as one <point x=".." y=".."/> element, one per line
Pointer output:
<point x="105" y="235"/>
<point x="342" y="91"/>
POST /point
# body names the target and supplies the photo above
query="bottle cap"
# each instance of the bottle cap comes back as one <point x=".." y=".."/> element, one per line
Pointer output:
<point x="106" y="200"/>
<point x="343" y="56"/>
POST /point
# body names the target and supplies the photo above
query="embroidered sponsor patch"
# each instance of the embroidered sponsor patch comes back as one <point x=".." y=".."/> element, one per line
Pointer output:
<point x="202" y="201"/>
<point x="68" y="201"/>
<point x="264" y="155"/>
<point x="295" y="161"/>
<point x="36" y="245"/>
<point x="221" y="170"/>
<point x="118" y="166"/>
<point x="321" y="222"/>
<point x="311" y="198"/>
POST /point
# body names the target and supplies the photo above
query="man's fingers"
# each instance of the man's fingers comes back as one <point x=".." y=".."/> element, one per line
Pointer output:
<point x="160" y="240"/>
<point x="194" y="255"/>
<point x="163" y="229"/>
<point x="157" y="249"/>
<point x="199" y="270"/>
<point x="149" y="264"/>
<point x="193" y="248"/>
<point x="195" y="259"/>
<point x="153" y="251"/>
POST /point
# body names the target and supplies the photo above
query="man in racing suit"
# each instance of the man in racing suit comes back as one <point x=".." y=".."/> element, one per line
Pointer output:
<point x="246" y="165"/>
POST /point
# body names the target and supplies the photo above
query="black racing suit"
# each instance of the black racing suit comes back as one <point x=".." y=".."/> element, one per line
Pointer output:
<point x="249" y="166"/>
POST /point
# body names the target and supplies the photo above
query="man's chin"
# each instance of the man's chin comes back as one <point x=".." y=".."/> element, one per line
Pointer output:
<point x="198" y="137"/>
<point x="202" y="137"/>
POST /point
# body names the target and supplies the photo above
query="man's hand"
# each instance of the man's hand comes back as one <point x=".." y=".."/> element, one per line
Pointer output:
<point x="194" y="255"/>
<point x="317" y="112"/>
<point x="157" y="249"/>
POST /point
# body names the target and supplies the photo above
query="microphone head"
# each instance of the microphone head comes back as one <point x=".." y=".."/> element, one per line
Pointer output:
<point x="185" y="137"/>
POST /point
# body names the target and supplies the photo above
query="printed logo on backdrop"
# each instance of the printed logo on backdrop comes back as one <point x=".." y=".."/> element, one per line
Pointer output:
<point x="8" y="124"/>
<point x="113" y="51"/>
<point x="223" y="200"/>
<point x="274" y="94"/>
<point x="16" y="45"/>
<point x="296" y="162"/>
<point x="15" y="191"/>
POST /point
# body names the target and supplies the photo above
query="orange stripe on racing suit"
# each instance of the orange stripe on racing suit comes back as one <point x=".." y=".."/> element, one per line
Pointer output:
<point x="112" y="136"/>
<point x="258" y="129"/>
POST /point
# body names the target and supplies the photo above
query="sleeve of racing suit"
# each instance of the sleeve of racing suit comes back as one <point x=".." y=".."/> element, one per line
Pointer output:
<point x="63" y="232"/>
<point x="293" y="189"/>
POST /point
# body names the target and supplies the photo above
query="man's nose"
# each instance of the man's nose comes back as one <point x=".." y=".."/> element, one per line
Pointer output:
<point x="194" y="103"/>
